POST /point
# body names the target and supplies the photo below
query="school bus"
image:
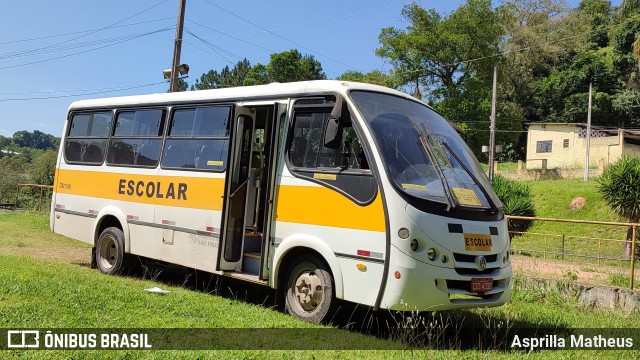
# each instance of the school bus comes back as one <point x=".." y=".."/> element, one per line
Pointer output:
<point x="322" y="190"/>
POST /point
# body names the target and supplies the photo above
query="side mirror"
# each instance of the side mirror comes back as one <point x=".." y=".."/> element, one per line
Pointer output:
<point x="333" y="131"/>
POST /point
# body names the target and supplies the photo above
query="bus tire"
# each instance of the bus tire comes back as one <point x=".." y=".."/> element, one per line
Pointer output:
<point x="110" y="256"/>
<point x="310" y="290"/>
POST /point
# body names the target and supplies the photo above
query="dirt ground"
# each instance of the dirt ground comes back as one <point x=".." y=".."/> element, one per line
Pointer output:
<point x="566" y="270"/>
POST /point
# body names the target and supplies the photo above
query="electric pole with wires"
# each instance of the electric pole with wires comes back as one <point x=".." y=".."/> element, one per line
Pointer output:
<point x="175" y="71"/>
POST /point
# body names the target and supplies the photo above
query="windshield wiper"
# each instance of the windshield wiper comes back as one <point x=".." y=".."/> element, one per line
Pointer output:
<point x="492" y="204"/>
<point x="451" y="202"/>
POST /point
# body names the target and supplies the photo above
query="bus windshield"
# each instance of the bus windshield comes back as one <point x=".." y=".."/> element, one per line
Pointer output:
<point x="424" y="155"/>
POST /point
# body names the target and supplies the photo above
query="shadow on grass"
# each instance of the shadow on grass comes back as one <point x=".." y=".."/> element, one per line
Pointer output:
<point x="459" y="329"/>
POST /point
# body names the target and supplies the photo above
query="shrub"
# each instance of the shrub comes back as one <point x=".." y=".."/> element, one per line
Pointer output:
<point x="516" y="200"/>
<point x="619" y="186"/>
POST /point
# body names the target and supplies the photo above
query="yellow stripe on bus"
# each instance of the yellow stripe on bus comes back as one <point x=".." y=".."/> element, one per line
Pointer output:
<point x="179" y="191"/>
<point x="317" y="205"/>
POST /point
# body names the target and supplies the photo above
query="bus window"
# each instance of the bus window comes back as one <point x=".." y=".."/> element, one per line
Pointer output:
<point x="137" y="137"/>
<point x="308" y="151"/>
<point x="87" y="137"/>
<point x="198" y="138"/>
<point x="344" y="168"/>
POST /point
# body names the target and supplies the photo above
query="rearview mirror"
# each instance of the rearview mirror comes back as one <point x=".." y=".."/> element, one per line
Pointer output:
<point x="333" y="131"/>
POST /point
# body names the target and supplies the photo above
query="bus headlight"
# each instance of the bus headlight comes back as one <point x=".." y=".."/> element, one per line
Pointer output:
<point x="403" y="233"/>
<point x="414" y="245"/>
<point x="431" y="254"/>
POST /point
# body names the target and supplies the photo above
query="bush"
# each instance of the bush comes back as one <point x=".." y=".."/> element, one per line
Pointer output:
<point x="516" y="200"/>
<point x="619" y="186"/>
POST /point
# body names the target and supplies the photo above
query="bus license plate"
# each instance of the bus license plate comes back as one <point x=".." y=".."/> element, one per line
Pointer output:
<point x="481" y="284"/>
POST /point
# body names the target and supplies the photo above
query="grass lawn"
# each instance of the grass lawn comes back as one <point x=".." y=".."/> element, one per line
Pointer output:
<point x="45" y="282"/>
<point x="552" y="199"/>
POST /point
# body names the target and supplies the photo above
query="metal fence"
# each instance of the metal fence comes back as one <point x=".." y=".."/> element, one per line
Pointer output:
<point x="569" y="247"/>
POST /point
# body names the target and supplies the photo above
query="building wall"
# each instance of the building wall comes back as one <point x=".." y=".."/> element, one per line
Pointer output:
<point x="602" y="150"/>
<point x="630" y="149"/>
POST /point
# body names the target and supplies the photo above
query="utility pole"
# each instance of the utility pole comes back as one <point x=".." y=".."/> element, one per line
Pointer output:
<point x="175" y="76"/>
<point x="586" y="159"/>
<point x="492" y="128"/>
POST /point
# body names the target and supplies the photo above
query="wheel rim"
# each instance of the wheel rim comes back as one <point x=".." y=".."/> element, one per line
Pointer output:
<point x="108" y="252"/>
<point x="308" y="290"/>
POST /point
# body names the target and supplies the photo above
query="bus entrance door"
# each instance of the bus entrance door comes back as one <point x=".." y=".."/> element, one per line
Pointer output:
<point x="236" y="194"/>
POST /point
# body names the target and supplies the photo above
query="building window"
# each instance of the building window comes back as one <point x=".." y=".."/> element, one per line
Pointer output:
<point x="543" y="146"/>
<point x="565" y="143"/>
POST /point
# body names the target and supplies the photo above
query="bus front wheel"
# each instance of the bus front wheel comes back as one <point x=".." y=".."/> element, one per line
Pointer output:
<point x="310" y="290"/>
<point x="110" y="256"/>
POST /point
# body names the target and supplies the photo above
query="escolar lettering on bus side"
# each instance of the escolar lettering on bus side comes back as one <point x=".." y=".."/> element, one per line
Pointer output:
<point x="152" y="189"/>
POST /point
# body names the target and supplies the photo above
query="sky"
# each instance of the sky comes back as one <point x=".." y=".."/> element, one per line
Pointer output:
<point x="55" y="52"/>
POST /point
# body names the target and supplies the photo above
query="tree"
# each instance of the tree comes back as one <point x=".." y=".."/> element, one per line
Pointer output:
<point x="375" y="77"/>
<point x="35" y="140"/>
<point x="43" y="167"/>
<point x="225" y="78"/>
<point x="431" y="57"/>
<point x="619" y="185"/>
<point x="286" y="66"/>
<point x="182" y="85"/>
<point x="5" y="142"/>
<point x="291" y="66"/>
<point x="257" y="75"/>
<point x="432" y="51"/>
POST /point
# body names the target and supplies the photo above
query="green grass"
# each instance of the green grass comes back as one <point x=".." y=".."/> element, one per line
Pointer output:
<point x="40" y="291"/>
<point x="504" y="166"/>
<point x="552" y="199"/>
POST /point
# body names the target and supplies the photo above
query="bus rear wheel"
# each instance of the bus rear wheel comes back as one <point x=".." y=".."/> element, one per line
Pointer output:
<point x="310" y="291"/>
<point x="110" y="256"/>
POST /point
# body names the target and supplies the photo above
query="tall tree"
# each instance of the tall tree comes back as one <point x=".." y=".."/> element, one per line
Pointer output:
<point x="36" y="140"/>
<point x="291" y="65"/>
<point x="225" y="78"/>
<point x="433" y="50"/>
<point x="450" y="59"/>
<point x="373" y="77"/>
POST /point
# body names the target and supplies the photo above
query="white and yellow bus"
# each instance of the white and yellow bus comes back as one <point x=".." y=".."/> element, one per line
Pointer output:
<point x="322" y="190"/>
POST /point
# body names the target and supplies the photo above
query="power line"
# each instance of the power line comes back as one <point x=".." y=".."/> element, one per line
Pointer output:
<point x="100" y="29"/>
<point x="214" y="48"/>
<point x="98" y="91"/>
<point x="281" y="37"/>
<point x="80" y="32"/>
<point x="232" y="36"/>
<point x="70" y="46"/>
<point x="327" y="20"/>
<point x="86" y="51"/>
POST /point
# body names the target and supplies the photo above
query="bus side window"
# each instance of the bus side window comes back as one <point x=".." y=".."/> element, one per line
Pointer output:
<point x="136" y="139"/>
<point x="307" y="148"/>
<point x="87" y="138"/>
<point x="344" y="168"/>
<point x="198" y="138"/>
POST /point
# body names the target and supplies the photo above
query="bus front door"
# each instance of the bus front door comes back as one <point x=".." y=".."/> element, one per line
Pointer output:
<point x="235" y="195"/>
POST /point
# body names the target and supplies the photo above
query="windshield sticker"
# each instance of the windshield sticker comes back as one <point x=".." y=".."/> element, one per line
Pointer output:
<point x="324" y="176"/>
<point x="466" y="197"/>
<point x="414" y="187"/>
<point x="215" y="163"/>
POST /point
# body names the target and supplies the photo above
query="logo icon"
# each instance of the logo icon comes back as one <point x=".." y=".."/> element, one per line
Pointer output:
<point x="22" y="339"/>
<point x="481" y="263"/>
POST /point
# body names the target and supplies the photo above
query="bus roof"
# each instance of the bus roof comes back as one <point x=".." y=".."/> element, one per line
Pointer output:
<point x="234" y="93"/>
